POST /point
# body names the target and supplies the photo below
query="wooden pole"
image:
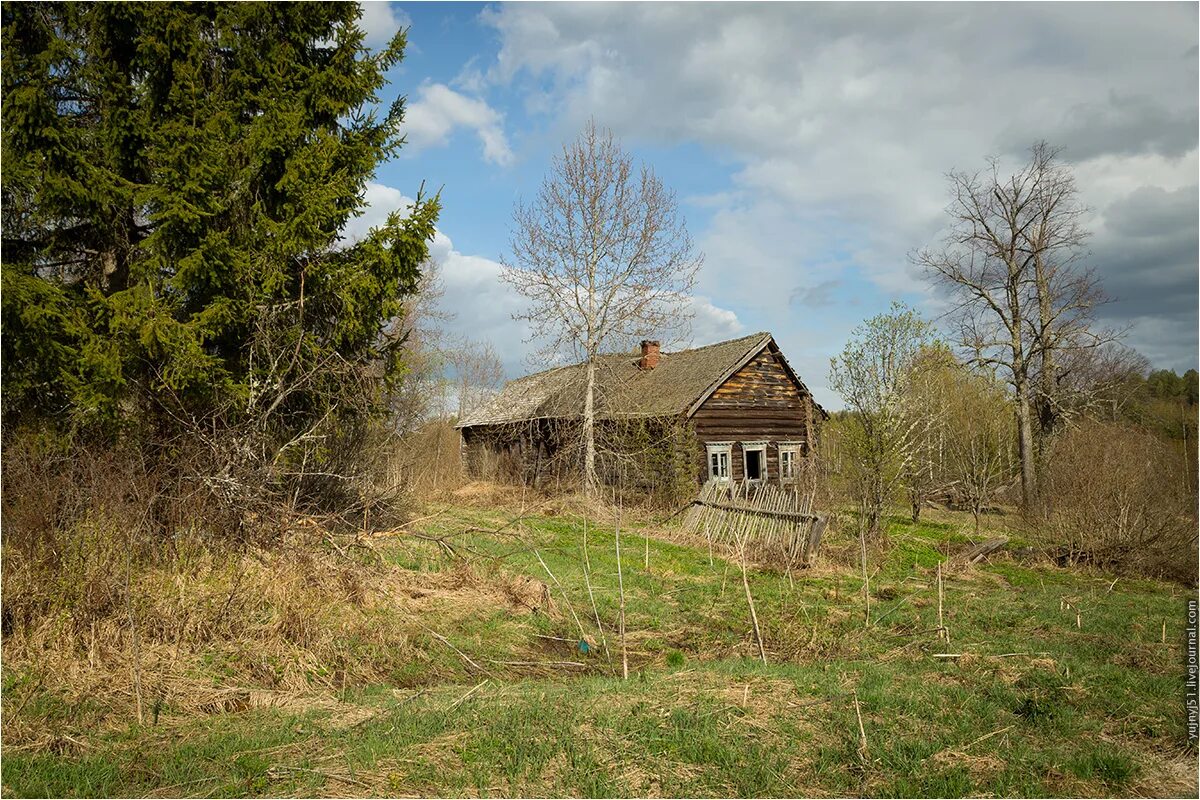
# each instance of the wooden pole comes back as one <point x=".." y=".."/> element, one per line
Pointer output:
<point x="587" y="577"/>
<point x="762" y="653"/>
<point x="862" y="732"/>
<point x="741" y="536"/>
<point x="941" y="624"/>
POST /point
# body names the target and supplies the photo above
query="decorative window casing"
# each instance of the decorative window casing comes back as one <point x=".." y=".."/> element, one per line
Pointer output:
<point x="754" y="461"/>
<point x="720" y="457"/>
<point x="789" y="460"/>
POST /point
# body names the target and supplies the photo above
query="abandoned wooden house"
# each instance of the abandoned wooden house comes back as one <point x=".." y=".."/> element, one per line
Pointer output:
<point x="731" y="411"/>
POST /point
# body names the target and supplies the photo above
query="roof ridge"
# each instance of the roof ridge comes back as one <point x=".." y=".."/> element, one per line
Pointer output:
<point x="623" y="353"/>
<point x="757" y="341"/>
<point x="755" y="336"/>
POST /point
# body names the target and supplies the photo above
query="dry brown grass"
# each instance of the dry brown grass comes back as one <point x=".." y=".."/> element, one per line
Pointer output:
<point x="129" y="598"/>
<point x="206" y="629"/>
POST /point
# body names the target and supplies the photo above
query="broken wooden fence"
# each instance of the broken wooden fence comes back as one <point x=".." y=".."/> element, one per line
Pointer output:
<point x="764" y="515"/>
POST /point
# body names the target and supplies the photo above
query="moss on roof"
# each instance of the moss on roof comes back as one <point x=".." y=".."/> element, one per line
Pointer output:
<point x="622" y="388"/>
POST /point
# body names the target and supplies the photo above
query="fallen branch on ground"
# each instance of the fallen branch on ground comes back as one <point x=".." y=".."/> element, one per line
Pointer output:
<point x="466" y="657"/>
<point x="537" y="663"/>
<point x="462" y="699"/>
<point x="327" y="775"/>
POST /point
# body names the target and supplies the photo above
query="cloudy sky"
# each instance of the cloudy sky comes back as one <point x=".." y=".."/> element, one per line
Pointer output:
<point x="808" y="145"/>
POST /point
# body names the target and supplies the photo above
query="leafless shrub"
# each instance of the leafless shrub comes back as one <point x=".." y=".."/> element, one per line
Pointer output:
<point x="649" y="461"/>
<point x="1121" y="502"/>
<point x="427" y="460"/>
<point x="478" y="373"/>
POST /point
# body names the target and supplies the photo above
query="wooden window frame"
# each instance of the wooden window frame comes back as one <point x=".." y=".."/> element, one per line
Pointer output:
<point x="760" y="446"/>
<point x="716" y="448"/>
<point x="795" y="449"/>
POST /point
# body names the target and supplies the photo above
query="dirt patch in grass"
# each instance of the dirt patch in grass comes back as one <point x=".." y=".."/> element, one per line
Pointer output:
<point x="981" y="766"/>
<point x="760" y="697"/>
<point x="464" y="592"/>
<point x="1169" y="774"/>
<point x="485" y="494"/>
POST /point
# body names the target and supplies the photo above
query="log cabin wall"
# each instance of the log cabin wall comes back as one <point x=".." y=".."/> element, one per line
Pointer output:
<point x="759" y="402"/>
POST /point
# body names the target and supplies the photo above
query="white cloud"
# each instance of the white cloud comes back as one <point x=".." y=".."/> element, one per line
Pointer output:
<point x="842" y="119"/>
<point x="380" y="21"/>
<point x="477" y="303"/>
<point x="481" y="303"/>
<point x="380" y="201"/>
<point x="712" y="324"/>
<point x="439" y="110"/>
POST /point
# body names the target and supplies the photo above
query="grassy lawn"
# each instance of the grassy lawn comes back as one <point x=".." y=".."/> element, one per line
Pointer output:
<point x="1060" y="683"/>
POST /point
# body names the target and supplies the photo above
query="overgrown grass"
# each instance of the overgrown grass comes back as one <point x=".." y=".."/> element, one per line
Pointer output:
<point x="1060" y="684"/>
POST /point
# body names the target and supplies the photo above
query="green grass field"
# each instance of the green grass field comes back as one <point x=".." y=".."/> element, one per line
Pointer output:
<point x="1061" y="683"/>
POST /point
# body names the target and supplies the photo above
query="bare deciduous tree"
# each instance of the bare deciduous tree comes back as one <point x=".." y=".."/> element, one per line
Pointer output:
<point x="1066" y="291"/>
<point x="1024" y="302"/>
<point x="419" y="330"/>
<point x="478" y="373"/>
<point x="603" y="256"/>
<point x="930" y="392"/>
<point x="979" y="445"/>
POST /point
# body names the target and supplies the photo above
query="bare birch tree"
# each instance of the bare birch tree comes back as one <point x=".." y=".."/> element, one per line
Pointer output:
<point x="1012" y="263"/>
<point x="603" y="256"/>
<point x="478" y="374"/>
<point x="419" y="329"/>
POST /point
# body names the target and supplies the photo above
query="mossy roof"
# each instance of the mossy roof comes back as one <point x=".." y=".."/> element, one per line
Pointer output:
<point x="623" y="389"/>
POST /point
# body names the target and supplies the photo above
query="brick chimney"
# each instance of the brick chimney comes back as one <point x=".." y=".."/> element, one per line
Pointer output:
<point x="650" y="354"/>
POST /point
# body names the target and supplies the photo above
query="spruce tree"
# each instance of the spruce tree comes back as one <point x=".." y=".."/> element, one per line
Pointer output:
<point x="176" y="181"/>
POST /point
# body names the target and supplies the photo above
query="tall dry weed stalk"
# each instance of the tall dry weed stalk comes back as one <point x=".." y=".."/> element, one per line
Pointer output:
<point x="621" y="592"/>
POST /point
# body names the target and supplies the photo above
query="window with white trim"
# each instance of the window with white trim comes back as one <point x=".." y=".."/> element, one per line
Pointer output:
<point x="754" y="460"/>
<point x="789" y="460"/>
<point x="718" y="460"/>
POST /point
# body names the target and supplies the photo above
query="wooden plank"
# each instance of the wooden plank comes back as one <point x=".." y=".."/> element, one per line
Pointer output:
<point x="982" y="551"/>
<point x="749" y="432"/>
<point x="749" y="509"/>
<point x="762" y="380"/>
<point x="745" y="414"/>
<point x="738" y="420"/>
<point x="814" y="539"/>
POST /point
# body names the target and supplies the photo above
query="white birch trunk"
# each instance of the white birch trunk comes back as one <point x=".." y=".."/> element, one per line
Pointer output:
<point x="589" y="430"/>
